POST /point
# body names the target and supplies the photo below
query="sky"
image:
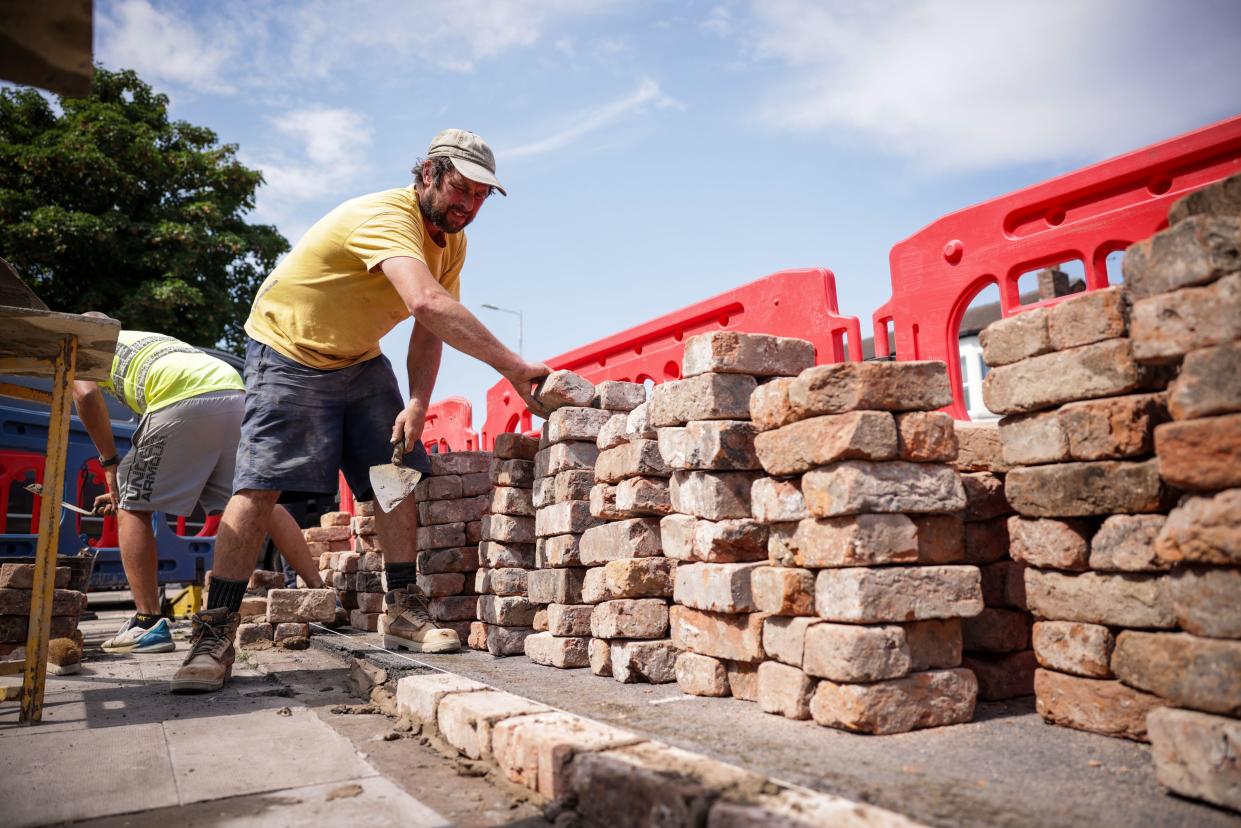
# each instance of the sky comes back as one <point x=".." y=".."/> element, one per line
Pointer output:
<point x="658" y="153"/>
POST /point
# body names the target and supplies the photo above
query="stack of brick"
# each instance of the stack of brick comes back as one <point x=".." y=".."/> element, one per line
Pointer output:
<point x="628" y="581"/>
<point x="1185" y="284"/>
<point x="16" y="585"/>
<point x="451" y="505"/>
<point x="868" y="583"/>
<point x="564" y="473"/>
<point x="1080" y="416"/>
<point x="506" y="553"/>
<point x="281" y="617"/>
<point x="706" y="436"/>
<point x="997" y="640"/>
<point x="353" y="567"/>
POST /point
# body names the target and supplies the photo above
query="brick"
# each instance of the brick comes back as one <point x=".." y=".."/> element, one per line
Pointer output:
<point x="603" y="502"/>
<point x="454" y="608"/>
<point x="1015" y="586"/>
<point x="1195" y="251"/>
<point x="712" y="495"/>
<point x="632" y="538"/>
<point x="782" y="590"/>
<point x="1002" y="675"/>
<point x="978" y="447"/>
<point x="940" y="539"/>
<point x="21" y="576"/>
<point x="327" y="534"/>
<point x="364" y="621"/>
<point x="1075" y="648"/>
<point x="563" y="457"/>
<point x="653" y="662"/>
<point x="926" y="437"/>
<point x="1033" y="439"/>
<point x="722" y="635"/>
<point x="1089" y="317"/>
<point x="612" y="395"/>
<point x="495" y="554"/>
<point x="297" y="605"/>
<point x="254" y="606"/>
<point x="643" y="496"/>
<point x="704" y="397"/>
<point x="784" y="690"/>
<point x="419" y="696"/>
<point x="1101" y="487"/>
<point x="986" y="541"/>
<point x="770" y="406"/>
<point x="868" y="596"/>
<point x="1104" y="369"/>
<point x="510" y="529"/>
<point x="854" y="653"/>
<point x="569" y="619"/>
<point x="800" y="446"/>
<point x="536" y="751"/>
<point x="633" y="459"/>
<point x="934" y="644"/>
<point x="1051" y="543"/>
<point x="364" y="508"/>
<point x="725" y="541"/>
<point x="1015" y="338"/>
<point x="13" y="628"/>
<point x="556" y="586"/>
<point x="630" y="618"/>
<point x="558" y="551"/>
<point x="600" y="653"/>
<point x="369" y="582"/>
<point x="1204" y="601"/>
<point x="564" y="388"/>
<point x="1195" y="755"/>
<point x="742" y="680"/>
<point x="715" y="587"/>
<point x="482" y="582"/>
<point x="881" y="386"/>
<point x="858" y="486"/>
<point x="1185" y="670"/>
<point x="760" y="355"/>
<point x="629" y="578"/>
<point x="1119" y="600"/>
<point x="784" y="638"/>
<point x="563" y="518"/>
<point x="466" y="720"/>
<point x="613" y="432"/>
<point x="292" y="636"/>
<point x="777" y="501"/>
<point x="254" y="636"/>
<point x="506" y="641"/>
<point x="335" y="519"/>
<point x="440" y="536"/>
<point x="676" y="535"/>
<point x="552" y="651"/>
<point x="724" y="445"/>
<point x="345" y="562"/>
<point x="984" y="496"/>
<point x="1203" y="530"/>
<point x="543" y="493"/>
<point x="1126" y="543"/>
<point x="450" y="511"/>
<point x="476" y="483"/>
<point x="638" y="424"/>
<point x="996" y="630"/>
<point x="1209" y="383"/>
<point x="575" y="423"/>
<point x="370" y="601"/>
<point x="516" y="473"/>
<point x="506" y="611"/>
<point x="1203" y="454"/>
<point x="700" y="675"/>
<point x="1113" y="428"/>
<point x="1169" y="326"/>
<point x="513" y="446"/>
<point x="508" y="500"/>
<point x="855" y="540"/>
<point x="460" y="462"/>
<point x="1221" y="198"/>
<point x="574" y="484"/>
<point x="928" y="699"/>
<point x="540" y="620"/>
<point x="508" y="581"/>
<point x="1095" y="705"/>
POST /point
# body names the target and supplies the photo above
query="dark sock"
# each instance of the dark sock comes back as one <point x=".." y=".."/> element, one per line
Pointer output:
<point x="145" y="621"/>
<point x="400" y="574"/>
<point x="225" y="592"/>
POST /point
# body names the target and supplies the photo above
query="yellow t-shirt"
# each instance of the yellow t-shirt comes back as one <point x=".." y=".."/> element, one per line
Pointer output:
<point x="151" y="371"/>
<point x="327" y="305"/>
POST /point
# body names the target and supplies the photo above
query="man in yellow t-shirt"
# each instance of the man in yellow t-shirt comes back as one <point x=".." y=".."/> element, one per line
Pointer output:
<point x="183" y="453"/>
<point x="321" y="398"/>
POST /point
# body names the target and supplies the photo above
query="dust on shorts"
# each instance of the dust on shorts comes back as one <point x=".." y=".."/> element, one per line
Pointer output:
<point x="302" y="424"/>
<point x="183" y="454"/>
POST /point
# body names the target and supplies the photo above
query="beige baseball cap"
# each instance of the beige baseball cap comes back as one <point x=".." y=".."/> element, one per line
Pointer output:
<point x="469" y="154"/>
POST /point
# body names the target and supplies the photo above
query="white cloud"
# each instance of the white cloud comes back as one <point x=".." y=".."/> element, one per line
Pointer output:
<point x="719" y="21"/>
<point x="160" y="47"/>
<point x="583" y="123"/>
<point x="978" y="83"/>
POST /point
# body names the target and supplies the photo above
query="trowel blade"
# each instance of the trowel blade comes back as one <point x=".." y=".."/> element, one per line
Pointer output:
<point x="392" y="484"/>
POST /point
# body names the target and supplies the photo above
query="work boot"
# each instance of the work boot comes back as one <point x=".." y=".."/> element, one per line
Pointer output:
<point x="210" y="661"/>
<point x="408" y="624"/>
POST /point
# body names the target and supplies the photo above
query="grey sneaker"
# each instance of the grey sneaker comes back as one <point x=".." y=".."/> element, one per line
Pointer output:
<point x="210" y="660"/>
<point x="408" y="624"/>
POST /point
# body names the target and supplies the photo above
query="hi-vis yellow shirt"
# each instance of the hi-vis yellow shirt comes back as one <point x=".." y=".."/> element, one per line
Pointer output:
<point x="150" y="371"/>
<point x="327" y="305"/>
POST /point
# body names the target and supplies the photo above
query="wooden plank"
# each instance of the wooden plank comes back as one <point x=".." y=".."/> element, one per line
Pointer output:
<point x="30" y="340"/>
<point x="22" y="392"/>
<point x="40" y="627"/>
<point x="12" y="668"/>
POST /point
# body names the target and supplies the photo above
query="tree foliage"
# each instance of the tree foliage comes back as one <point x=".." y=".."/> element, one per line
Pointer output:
<point x="110" y="206"/>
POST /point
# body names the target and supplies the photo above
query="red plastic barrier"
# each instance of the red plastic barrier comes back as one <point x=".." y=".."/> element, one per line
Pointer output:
<point x="14" y="466"/>
<point x="796" y="303"/>
<point x="449" y="426"/>
<point x="1084" y="215"/>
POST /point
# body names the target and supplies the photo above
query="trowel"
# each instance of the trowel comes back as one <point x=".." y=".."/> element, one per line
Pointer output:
<point x="37" y="489"/>
<point x="395" y="481"/>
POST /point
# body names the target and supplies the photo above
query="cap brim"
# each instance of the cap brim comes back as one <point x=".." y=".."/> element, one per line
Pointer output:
<point x="476" y="172"/>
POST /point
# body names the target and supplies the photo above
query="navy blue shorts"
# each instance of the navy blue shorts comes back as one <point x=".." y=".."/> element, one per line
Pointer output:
<point x="302" y="424"/>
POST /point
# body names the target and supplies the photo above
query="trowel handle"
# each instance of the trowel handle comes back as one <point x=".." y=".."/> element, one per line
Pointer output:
<point x="398" y="451"/>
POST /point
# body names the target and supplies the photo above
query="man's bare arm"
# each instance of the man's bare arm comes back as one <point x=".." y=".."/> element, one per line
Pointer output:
<point x="93" y="412"/>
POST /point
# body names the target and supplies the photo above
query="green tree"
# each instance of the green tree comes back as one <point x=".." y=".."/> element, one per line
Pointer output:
<point x="110" y="206"/>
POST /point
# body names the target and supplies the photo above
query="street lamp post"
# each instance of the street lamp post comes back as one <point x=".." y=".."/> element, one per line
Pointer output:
<point x="520" y="352"/>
